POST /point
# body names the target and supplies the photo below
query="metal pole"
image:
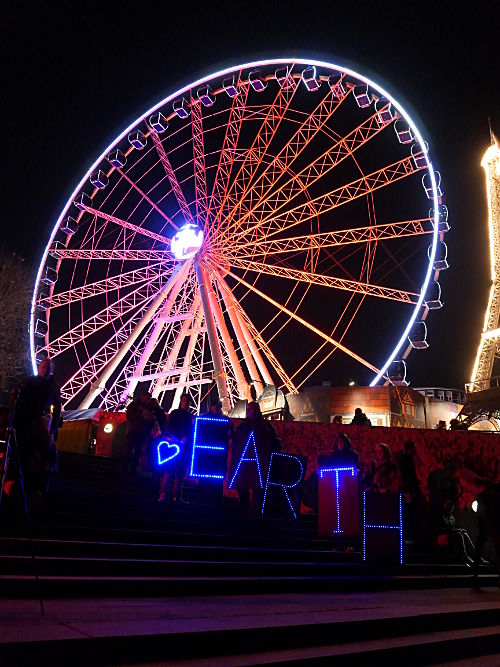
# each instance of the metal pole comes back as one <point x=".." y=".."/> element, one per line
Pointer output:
<point x="266" y="376"/>
<point x="176" y="347"/>
<point x="247" y="355"/>
<point x="241" y="383"/>
<point x="213" y="341"/>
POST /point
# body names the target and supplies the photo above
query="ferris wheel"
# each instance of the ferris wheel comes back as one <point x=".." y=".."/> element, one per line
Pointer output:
<point x="267" y="224"/>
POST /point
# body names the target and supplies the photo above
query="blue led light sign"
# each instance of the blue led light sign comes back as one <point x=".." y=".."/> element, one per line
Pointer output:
<point x="210" y="444"/>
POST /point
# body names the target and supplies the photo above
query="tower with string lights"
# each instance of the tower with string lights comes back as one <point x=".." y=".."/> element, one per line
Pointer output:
<point x="489" y="344"/>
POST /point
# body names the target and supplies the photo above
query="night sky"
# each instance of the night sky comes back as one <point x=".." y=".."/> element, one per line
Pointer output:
<point x="75" y="75"/>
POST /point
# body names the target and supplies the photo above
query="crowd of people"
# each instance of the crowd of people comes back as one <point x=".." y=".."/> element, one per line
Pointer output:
<point x="429" y="521"/>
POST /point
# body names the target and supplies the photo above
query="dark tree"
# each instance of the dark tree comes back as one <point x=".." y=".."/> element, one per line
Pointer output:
<point x="16" y="285"/>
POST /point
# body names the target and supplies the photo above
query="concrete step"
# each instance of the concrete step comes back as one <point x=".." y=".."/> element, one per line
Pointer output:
<point x="394" y="635"/>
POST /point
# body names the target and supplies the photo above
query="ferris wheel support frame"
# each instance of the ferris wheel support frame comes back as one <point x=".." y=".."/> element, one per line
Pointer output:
<point x="153" y="338"/>
<point x="241" y="338"/>
<point x="213" y="341"/>
<point x="173" y="354"/>
<point x="184" y="376"/>
<point x="99" y="384"/>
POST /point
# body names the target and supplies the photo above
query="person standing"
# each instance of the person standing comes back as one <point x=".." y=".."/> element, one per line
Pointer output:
<point x="180" y="427"/>
<point x="37" y="420"/>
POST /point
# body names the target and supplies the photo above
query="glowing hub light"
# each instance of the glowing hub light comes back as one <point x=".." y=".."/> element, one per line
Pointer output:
<point x="186" y="243"/>
<point x="108" y="428"/>
<point x="474" y="505"/>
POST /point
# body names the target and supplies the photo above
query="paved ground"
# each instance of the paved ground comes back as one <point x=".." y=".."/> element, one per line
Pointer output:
<point x="20" y="620"/>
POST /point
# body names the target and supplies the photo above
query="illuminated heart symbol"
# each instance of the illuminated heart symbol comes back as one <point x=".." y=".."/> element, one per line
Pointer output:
<point x="170" y="446"/>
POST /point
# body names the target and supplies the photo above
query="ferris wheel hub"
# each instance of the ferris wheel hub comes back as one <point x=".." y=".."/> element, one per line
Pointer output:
<point x="187" y="241"/>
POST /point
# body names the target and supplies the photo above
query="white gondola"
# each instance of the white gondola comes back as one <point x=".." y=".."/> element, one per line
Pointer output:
<point x="440" y="259"/>
<point x="283" y="77"/>
<point x="55" y="248"/>
<point x="362" y="96"/>
<point x="137" y="140"/>
<point x="418" y="336"/>
<point x="229" y="86"/>
<point x="310" y="79"/>
<point x="181" y="107"/>
<point x="41" y="328"/>
<point x="396" y="373"/>
<point x="205" y="95"/>
<point x="99" y="179"/>
<point x="338" y="86"/>
<point x="427" y="183"/>
<point x="442" y="216"/>
<point x="117" y="159"/>
<point x="257" y="80"/>
<point x="403" y="131"/>
<point x="69" y="225"/>
<point x="50" y="276"/>
<point x="83" y="202"/>
<point x="433" y="296"/>
<point x="384" y="110"/>
<point x="419" y="156"/>
<point x="158" y="122"/>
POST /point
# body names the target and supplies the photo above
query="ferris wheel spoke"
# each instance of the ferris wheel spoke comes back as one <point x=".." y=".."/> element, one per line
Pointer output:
<point x="184" y="377"/>
<point x="308" y="242"/>
<point x="133" y="278"/>
<point x="60" y="252"/>
<point x="340" y="196"/>
<point x="177" y="277"/>
<point x="200" y="176"/>
<point x="275" y="114"/>
<point x="172" y="178"/>
<point x="163" y="318"/>
<point x="275" y="170"/>
<point x="128" y="225"/>
<point x="305" y="323"/>
<point x="89" y="370"/>
<point x="102" y="319"/>
<point x="255" y="343"/>
<point x="327" y="281"/>
<point x="229" y="148"/>
<point x="276" y="199"/>
<point x="145" y="197"/>
<point x="167" y="366"/>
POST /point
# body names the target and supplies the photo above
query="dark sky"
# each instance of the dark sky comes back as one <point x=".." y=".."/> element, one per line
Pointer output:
<point x="74" y="75"/>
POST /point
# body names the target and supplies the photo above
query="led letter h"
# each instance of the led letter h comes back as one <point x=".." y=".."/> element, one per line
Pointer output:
<point x="383" y="512"/>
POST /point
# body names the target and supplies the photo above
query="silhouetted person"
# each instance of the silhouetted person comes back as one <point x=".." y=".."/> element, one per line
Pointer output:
<point x="342" y="453"/>
<point x="444" y="492"/>
<point x="337" y="419"/>
<point x="37" y="420"/>
<point x="248" y="482"/>
<point x="360" y="419"/>
<point x="180" y="427"/>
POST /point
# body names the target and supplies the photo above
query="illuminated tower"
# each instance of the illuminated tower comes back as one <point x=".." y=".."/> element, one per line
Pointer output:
<point x="489" y="345"/>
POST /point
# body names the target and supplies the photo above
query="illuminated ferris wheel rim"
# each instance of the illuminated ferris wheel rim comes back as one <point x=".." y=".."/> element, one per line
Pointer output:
<point x="247" y="66"/>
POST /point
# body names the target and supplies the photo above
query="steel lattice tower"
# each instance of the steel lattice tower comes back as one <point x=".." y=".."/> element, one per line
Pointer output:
<point x="489" y="344"/>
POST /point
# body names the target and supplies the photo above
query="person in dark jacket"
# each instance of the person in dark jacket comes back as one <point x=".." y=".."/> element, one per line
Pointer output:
<point x="248" y="482"/>
<point x="37" y="420"/>
<point x="360" y="419"/>
<point x="343" y="454"/>
<point x="180" y="427"/>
